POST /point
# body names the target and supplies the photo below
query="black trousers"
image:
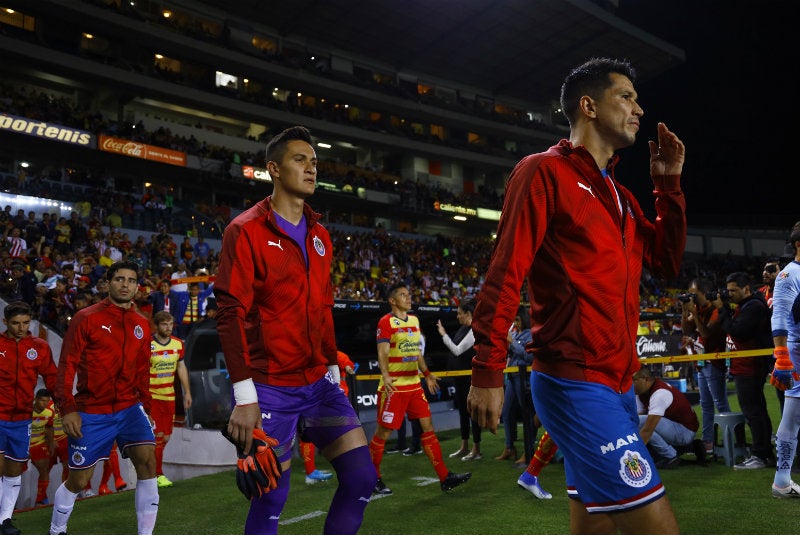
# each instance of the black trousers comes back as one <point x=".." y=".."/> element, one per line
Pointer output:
<point x="750" y="393"/>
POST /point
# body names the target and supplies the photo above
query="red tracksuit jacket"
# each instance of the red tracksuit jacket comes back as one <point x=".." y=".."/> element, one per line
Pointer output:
<point x="21" y="364"/>
<point x="561" y="228"/>
<point x="108" y="348"/>
<point x="274" y="315"/>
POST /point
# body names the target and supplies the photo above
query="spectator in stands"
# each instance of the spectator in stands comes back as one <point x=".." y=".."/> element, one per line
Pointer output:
<point x="47" y="228"/>
<point x="187" y="250"/>
<point x="460" y="358"/>
<point x="106" y="259"/>
<point x="20" y="284"/>
<point x="180" y="273"/>
<point x="189" y="307"/>
<point x="552" y="239"/>
<point x="31" y="231"/>
<point x="700" y="324"/>
<point x="79" y="234"/>
<point x="161" y="297"/>
<point x="17" y="245"/>
<point x="667" y="421"/>
<point x="63" y="235"/>
<point x="288" y="361"/>
<point x="399" y="390"/>
<point x="748" y="327"/>
<point x="201" y="248"/>
<point x="6" y="215"/>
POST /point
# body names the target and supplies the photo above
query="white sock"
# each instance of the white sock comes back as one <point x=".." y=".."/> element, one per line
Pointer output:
<point x="63" y="503"/>
<point x="11" y="486"/>
<point x="146" y="505"/>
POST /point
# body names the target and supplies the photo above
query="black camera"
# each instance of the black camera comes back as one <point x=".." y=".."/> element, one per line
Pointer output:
<point x="686" y="297"/>
<point x="723" y="293"/>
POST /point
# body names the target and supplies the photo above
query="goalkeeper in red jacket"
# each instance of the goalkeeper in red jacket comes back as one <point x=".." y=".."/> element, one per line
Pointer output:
<point x="275" y="325"/>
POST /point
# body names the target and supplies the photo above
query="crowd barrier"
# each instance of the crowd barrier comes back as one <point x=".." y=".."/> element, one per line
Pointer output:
<point x="368" y="399"/>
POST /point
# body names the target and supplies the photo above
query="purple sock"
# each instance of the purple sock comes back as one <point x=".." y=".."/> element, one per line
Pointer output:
<point x="266" y="510"/>
<point x="357" y="477"/>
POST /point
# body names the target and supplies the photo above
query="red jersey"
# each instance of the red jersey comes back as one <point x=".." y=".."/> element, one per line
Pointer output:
<point x="563" y="229"/>
<point x="21" y="364"/>
<point x="108" y="348"/>
<point x="274" y="315"/>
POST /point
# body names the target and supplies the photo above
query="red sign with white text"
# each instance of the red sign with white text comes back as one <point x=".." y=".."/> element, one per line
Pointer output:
<point x="135" y="149"/>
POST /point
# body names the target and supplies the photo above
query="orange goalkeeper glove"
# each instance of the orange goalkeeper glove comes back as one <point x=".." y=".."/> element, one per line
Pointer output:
<point x="257" y="472"/>
<point x="783" y="375"/>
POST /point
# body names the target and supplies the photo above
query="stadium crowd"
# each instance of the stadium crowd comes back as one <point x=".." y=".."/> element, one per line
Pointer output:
<point x="56" y="263"/>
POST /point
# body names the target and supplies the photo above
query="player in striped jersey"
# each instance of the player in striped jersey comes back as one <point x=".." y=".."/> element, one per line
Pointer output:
<point x="166" y="361"/>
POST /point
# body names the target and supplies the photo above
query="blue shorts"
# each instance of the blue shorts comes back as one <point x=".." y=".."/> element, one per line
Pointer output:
<point x="607" y="464"/>
<point x="128" y="427"/>
<point x="15" y="440"/>
<point x="319" y="411"/>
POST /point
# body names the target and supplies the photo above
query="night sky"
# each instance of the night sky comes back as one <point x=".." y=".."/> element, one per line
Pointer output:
<point x="730" y="102"/>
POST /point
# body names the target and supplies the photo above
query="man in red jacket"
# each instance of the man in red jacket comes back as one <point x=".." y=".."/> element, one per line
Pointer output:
<point x="580" y="238"/>
<point x="275" y="325"/>
<point x="107" y="346"/>
<point x="23" y="358"/>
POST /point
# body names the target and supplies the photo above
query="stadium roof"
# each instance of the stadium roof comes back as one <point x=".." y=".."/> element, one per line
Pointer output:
<point x="512" y="48"/>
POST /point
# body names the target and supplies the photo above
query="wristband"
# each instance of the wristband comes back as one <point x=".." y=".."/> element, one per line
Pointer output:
<point x="782" y="359"/>
<point x="333" y="369"/>
<point x="244" y="392"/>
<point x="426" y="373"/>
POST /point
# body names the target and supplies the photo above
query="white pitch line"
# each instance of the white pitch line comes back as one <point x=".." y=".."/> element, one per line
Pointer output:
<point x="300" y="518"/>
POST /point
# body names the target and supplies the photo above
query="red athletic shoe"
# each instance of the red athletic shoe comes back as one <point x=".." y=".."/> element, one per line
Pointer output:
<point x="103" y="490"/>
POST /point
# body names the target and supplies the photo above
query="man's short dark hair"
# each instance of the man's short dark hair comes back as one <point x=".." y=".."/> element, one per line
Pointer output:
<point x="740" y="278"/>
<point x="591" y="78"/>
<point x="394" y="287"/>
<point x="122" y="264"/>
<point x="276" y="148"/>
<point x="17" y="308"/>
<point x="43" y="392"/>
<point x="703" y="285"/>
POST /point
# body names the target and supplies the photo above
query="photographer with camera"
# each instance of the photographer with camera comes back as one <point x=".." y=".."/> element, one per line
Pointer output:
<point x="700" y="322"/>
<point x="747" y="326"/>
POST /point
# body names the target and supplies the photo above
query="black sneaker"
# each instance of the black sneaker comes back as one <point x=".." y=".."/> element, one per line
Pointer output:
<point x="381" y="488"/>
<point x="408" y="452"/>
<point x="393" y="450"/>
<point x="699" y="449"/>
<point x="453" y="480"/>
<point x="668" y="464"/>
<point x="7" y="528"/>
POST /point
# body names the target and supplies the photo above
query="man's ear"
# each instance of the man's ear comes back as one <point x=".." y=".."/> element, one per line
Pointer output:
<point x="586" y="105"/>
<point x="273" y="169"/>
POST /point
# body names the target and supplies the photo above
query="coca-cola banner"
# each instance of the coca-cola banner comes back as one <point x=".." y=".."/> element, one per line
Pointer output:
<point x="658" y="345"/>
<point x="142" y="150"/>
<point x="41" y="129"/>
